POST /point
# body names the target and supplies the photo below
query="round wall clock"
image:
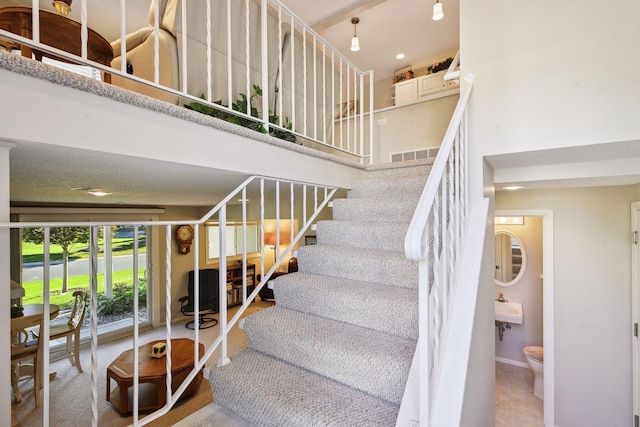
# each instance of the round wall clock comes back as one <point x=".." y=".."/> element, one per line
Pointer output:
<point x="184" y="237"/>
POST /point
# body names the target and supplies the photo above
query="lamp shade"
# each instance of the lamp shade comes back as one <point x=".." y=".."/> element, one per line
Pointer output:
<point x="355" y="44"/>
<point x="438" y="14"/>
<point x="270" y="239"/>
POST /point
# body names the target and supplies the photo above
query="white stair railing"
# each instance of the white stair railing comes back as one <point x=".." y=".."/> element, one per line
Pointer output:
<point x="317" y="93"/>
<point x="434" y="239"/>
<point x="303" y="202"/>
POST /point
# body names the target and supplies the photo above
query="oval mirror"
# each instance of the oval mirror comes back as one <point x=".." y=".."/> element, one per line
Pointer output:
<point x="511" y="259"/>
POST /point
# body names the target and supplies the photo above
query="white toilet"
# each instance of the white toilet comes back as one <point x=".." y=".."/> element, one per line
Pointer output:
<point x="535" y="359"/>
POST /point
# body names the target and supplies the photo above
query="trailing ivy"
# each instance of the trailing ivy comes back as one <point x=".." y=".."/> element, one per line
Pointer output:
<point x="439" y="66"/>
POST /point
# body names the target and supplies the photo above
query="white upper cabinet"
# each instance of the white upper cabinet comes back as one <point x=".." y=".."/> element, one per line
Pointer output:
<point x="409" y="91"/>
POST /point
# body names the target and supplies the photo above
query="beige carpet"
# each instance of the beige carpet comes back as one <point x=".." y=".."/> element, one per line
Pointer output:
<point x="70" y="391"/>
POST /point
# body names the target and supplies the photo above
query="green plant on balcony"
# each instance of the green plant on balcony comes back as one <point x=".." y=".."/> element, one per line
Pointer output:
<point x="444" y="65"/>
<point x="244" y="105"/>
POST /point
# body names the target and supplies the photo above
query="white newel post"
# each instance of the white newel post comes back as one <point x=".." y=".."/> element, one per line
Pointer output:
<point x="5" y="311"/>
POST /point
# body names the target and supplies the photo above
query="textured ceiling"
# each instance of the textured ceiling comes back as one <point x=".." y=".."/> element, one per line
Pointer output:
<point x="42" y="173"/>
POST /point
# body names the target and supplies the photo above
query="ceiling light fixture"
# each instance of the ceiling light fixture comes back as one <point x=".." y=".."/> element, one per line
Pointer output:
<point x="98" y="192"/>
<point x="355" y="41"/>
<point x="513" y="187"/>
<point x="400" y="56"/>
<point x="438" y="14"/>
<point x="94" y="191"/>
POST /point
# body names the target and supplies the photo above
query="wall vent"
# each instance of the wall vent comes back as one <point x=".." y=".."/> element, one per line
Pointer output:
<point x="415" y="154"/>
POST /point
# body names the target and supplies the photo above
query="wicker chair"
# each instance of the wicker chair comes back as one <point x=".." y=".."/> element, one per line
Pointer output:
<point x="71" y="329"/>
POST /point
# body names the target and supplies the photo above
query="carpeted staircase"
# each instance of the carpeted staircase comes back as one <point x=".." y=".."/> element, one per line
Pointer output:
<point x="336" y="348"/>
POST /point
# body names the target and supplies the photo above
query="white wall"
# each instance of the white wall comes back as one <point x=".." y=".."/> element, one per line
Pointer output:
<point x="527" y="291"/>
<point x="412" y="127"/>
<point x="560" y="75"/>
<point x="479" y="400"/>
<point x="592" y="300"/>
<point x="406" y="128"/>
<point x="551" y="74"/>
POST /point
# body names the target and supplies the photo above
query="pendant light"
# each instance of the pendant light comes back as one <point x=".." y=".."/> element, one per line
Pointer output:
<point x="355" y="41"/>
<point x="438" y="14"/>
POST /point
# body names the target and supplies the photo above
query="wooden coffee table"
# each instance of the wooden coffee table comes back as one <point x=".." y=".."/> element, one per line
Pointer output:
<point x="152" y="388"/>
<point x="57" y="31"/>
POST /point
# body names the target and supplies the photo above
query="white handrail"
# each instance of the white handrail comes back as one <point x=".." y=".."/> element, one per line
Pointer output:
<point x="434" y="237"/>
<point x="452" y="72"/>
<point x="448" y="405"/>
<point x="413" y="244"/>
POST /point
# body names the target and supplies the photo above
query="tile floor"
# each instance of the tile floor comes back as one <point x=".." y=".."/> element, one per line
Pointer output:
<point x="516" y="406"/>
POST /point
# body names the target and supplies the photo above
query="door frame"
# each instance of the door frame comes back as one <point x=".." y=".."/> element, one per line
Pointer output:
<point x="548" y="303"/>
<point x="635" y="305"/>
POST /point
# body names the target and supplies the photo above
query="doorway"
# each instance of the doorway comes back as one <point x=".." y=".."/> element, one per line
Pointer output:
<point x="547" y="303"/>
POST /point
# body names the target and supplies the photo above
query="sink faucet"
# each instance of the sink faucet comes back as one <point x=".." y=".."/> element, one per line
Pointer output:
<point x="501" y="298"/>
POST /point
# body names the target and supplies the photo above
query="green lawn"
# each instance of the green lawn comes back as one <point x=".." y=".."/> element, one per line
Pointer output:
<point x="121" y="246"/>
<point x="34" y="290"/>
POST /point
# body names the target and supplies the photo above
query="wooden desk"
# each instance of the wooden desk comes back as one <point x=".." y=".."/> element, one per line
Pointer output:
<point x="152" y="374"/>
<point x="57" y="31"/>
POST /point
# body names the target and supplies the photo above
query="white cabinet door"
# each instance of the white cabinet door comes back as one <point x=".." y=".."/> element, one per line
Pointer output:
<point x="431" y="83"/>
<point x="406" y="92"/>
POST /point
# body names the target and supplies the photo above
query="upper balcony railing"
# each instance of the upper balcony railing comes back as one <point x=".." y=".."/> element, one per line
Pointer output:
<point x="251" y="62"/>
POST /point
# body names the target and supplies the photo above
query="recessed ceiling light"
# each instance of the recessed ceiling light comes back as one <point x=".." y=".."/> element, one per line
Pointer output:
<point x="98" y="192"/>
<point x="513" y="187"/>
<point x="400" y="56"/>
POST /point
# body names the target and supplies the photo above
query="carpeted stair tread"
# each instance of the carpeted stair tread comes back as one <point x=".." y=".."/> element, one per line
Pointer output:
<point x="384" y="308"/>
<point x="363" y="234"/>
<point x="391" y="209"/>
<point x="272" y="393"/>
<point x="382" y="187"/>
<point x="342" y="352"/>
<point x="367" y="265"/>
<point x="396" y="169"/>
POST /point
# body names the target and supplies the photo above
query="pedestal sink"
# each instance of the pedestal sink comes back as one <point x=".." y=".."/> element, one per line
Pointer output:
<point x="510" y="312"/>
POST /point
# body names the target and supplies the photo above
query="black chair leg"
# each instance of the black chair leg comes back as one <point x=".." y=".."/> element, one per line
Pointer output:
<point x="203" y="323"/>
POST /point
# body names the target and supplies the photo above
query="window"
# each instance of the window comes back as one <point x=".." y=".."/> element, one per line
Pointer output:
<point x="235" y="239"/>
<point x="115" y="266"/>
